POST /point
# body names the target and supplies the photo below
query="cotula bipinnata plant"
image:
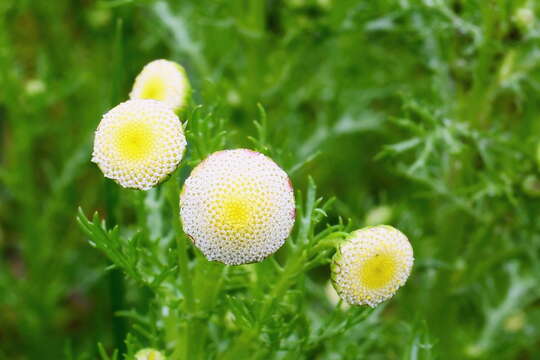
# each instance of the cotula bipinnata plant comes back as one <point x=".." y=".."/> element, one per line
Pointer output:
<point x="236" y="207"/>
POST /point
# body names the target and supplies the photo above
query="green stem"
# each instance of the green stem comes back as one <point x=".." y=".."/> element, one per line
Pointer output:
<point x="116" y="280"/>
<point x="191" y="330"/>
<point x="246" y="345"/>
<point x="482" y="92"/>
<point x="255" y="24"/>
<point x="291" y="271"/>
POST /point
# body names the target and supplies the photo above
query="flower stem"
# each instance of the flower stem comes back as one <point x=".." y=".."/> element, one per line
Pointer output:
<point x="246" y="345"/>
<point x="116" y="280"/>
<point x="189" y="348"/>
<point x="291" y="271"/>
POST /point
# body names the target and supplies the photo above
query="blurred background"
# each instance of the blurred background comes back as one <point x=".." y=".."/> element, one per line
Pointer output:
<point x="422" y="114"/>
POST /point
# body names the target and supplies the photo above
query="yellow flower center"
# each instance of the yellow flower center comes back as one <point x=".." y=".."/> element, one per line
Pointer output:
<point x="135" y="141"/>
<point x="378" y="271"/>
<point x="154" y="88"/>
<point x="234" y="213"/>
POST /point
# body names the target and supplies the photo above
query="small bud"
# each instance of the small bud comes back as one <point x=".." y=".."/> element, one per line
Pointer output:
<point x="230" y="321"/>
<point x="379" y="215"/>
<point x="325" y="4"/>
<point x="515" y="322"/>
<point x="233" y="98"/>
<point x="149" y="354"/>
<point x="98" y="17"/>
<point x="475" y="350"/>
<point x="524" y="18"/>
<point x="34" y="87"/>
<point x="531" y="185"/>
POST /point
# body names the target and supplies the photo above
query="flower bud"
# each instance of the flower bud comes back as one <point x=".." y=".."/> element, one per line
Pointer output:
<point x="34" y="87"/>
<point x="379" y="215"/>
<point x="515" y="322"/>
<point x="524" y="17"/>
<point x="531" y="185"/>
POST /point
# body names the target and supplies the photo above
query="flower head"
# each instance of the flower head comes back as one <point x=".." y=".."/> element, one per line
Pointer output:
<point x="165" y="81"/>
<point x="371" y="265"/>
<point x="237" y="206"/>
<point x="149" y="354"/>
<point x="139" y="143"/>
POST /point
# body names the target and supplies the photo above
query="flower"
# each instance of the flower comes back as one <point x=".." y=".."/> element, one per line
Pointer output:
<point x="371" y="265"/>
<point x="139" y="143"/>
<point x="165" y="81"/>
<point x="237" y="206"/>
<point x="149" y="354"/>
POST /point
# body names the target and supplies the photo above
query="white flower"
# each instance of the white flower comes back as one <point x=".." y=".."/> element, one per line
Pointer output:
<point x="165" y="81"/>
<point x="139" y="143"/>
<point x="371" y="265"/>
<point x="237" y="206"/>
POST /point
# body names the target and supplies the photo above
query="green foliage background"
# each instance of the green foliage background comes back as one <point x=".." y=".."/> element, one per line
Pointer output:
<point x="425" y="110"/>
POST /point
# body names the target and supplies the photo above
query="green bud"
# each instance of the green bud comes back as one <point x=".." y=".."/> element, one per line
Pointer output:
<point x="379" y="215"/>
<point x="34" y="87"/>
<point x="99" y="17"/>
<point x="531" y="186"/>
<point x="515" y="322"/>
<point x="524" y="18"/>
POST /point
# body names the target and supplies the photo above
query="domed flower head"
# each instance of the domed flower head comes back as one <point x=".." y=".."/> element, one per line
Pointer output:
<point x="371" y="265"/>
<point x="139" y="143"/>
<point x="237" y="206"/>
<point x="165" y="81"/>
<point x="149" y="354"/>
